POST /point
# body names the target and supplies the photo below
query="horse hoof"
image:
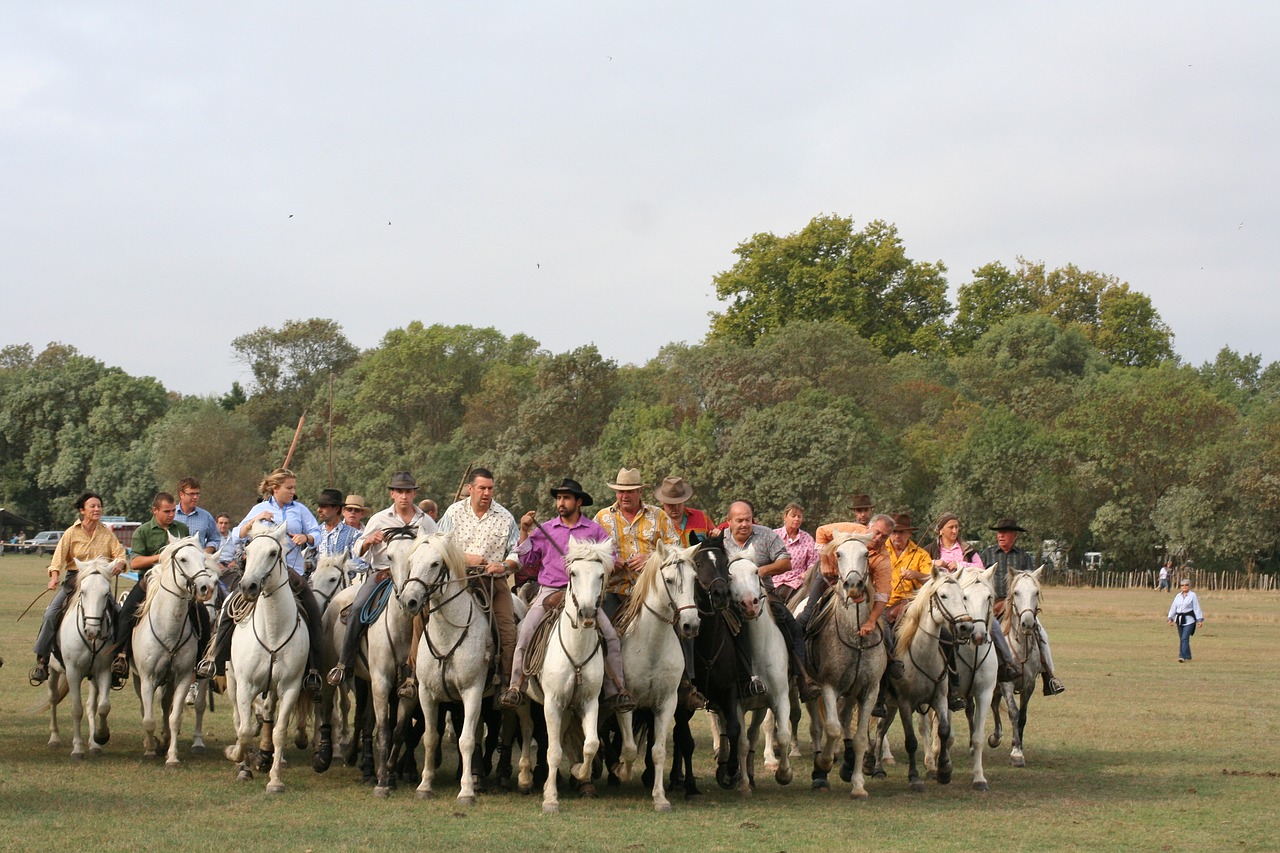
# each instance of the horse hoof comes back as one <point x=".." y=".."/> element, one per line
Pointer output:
<point x="1018" y="762"/>
<point x="783" y="777"/>
<point x="424" y="795"/>
<point x="662" y="807"/>
<point x="944" y="777"/>
<point x="172" y="764"/>
<point x="197" y="749"/>
<point x="822" y="763"/>
<point x="229" y="752"/>
<point x="917" y="787"/>
<point x="587" y="791"/>
<point x="77" y="756"/>
<point x="301" y="742"/>
<point x="879" y="774"/>
<point x="244" y="776"/>
<point x="95" y="750"/>
<point x="275" y="788"/>
<point x="993" y="741"/>
<point x="981" y="786"/>
<point x="846" y="773"/>
<point x="150" y="753"/>
<point x="381" y="792"/>
<point x="466" y="801"/>
<point x="550" y="808"/>
<point x="103" y="735"/>
<point x="820" y="785"/>
<point x="859" y="795"/>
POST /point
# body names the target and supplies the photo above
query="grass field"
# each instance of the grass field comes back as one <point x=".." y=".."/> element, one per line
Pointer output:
<point x="1140" y="753"/>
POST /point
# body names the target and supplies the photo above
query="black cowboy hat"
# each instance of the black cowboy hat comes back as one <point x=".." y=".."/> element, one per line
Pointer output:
<point x="330" y="497"/>
<point x="573" y="487"/>
<point x="403" y="480"/>
<point x="1007" y="523"/>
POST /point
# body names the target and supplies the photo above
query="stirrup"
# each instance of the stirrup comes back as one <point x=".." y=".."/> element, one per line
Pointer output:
<point x="39" y="674"/>
<point x="752" y="687"/>
<point x="1007" y="672"/>
<point x="311" y="682"/>
<point x="1052" y="686"/>
<point x="809" y="689"/>
<point x="206" y="668"/>
<point x="689" y="696"/>
<point x="120" y="666"/>
<point x="623" y="702"/>
<point x="880" y="711"/>
<point x="955" y="703"/>
<point x="511" y="697"/>
<point x="408" y="688"/>
<point x="897" y="669"/>
<point x="337" y="675"/>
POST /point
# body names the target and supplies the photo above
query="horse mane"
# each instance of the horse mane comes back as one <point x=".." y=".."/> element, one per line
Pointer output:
<point x="96" y="566"/>
<point x="452" y="554"/>
<point x="585" y="549"/>
<point x="910" y="621"/>
<point x="645" y="583"/>
<point x="1006" y="619"/>
<point x="165" y="556"/>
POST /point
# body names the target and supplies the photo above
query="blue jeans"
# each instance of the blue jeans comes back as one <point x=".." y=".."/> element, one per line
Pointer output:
<point x="1184" y="632"/>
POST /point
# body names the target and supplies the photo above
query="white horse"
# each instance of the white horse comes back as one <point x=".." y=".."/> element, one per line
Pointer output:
<point x="268" y="652"/>
<point x="454" y="655"/>
<point x="769" y="656"/>
<point x="659" y="613"/>
<point x="976" y="664"/>
<point x="849" y="667"/>
<point x="1019" y="624"/>
<point x="939" y="604"/>
<point x="572" y="671"/>
<point x="164" y="640"/>
<point x="327" y="580"/>
<point x="84" y="639"/>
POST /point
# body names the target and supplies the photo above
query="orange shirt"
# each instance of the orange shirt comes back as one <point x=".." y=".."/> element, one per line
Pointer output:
<point x="878" y="561"/>
<point x="913" y="558"/>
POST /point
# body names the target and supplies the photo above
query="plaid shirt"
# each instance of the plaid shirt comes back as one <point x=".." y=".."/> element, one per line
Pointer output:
<point x="201" y="523"/>
<point x="639" y="536"/>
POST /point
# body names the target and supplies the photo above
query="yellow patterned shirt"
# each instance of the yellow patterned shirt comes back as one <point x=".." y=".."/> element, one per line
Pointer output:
<point x="75" y="544"/>
<point x="914" y="558"/>
<point x="639" y="536"/>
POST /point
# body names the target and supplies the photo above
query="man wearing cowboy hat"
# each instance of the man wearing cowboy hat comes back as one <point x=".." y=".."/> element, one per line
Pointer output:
<point x="911" y="568"/>
<point x="636" y="528"/>
<point x="371" y="546"/>
<point x="545" y="546"/>
<point x="692" y="524"/>
<point x="336" y="536"/>
<point x="1006" y="556"/>
<point x="862" y="507"/>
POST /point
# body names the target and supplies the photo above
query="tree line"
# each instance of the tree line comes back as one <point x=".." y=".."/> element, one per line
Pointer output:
<point x="837" y="366"/>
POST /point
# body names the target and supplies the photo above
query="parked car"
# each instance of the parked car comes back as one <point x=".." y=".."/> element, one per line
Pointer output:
<point x="45" y="542"/>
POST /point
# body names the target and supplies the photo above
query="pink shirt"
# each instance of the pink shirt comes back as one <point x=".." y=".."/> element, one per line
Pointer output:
<point x="955" y="554"/>
<point x="804" y="553"/>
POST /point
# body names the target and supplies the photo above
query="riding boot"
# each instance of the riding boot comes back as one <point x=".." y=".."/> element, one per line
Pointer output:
<point x="687" y="695"/>
<point x="1007" y="670"/>
<point x="323" y="756"/>
<point x="355" y="628"/>
<point x="749" y="684"/>
<point x="49" y="629"/>
<point x="409" y="684"/>
<point x="1052" y="686"/>
<point x="39" y="673"/>
<point x="311" y="682"/>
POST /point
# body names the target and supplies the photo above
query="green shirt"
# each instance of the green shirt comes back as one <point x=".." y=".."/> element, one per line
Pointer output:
<point x="150" y="539"/>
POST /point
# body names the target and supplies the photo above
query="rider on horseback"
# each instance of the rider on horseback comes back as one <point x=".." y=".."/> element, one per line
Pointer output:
<point x="86" y="539"/>
<point x="402" y="517"/>
<point x="546" y="546"/>
<point x="911" y="570"/>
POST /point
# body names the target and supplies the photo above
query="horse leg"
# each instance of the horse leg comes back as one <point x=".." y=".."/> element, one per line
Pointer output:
<point x="942" y="741"/>
<point x="782" y="719"/>
<point x="197" y="734"/>
<point x="280" y="735"/>
<point x="629" y="749"/>
<point x="748" y="738"/>
<point x="430" y="740"/>
<point x="382" y="690"/>
<point x="301" y="737"/>
<point x="147" y="693"/>
<point x="55" y="739"/>
<point x="590" y="740"/>
<point x="555" y="730"/>
<point x="99" y="706"/>
<point x="769" y="727"/>
<point x="77" y="714"/>
<point x="657" y="752"/>
<point x="997" y="727"/>
<point x="471" y="700"/>
<point x="246" y="726"/>
<point x="860" y="737"/>
<point x="824" y="756"/>
<point x="176" y="707"/>
<point x="977" y="742"/>
<point x="524" y="778"/>
<point x="911" y="744"/>
<point x="1016" y="726"/>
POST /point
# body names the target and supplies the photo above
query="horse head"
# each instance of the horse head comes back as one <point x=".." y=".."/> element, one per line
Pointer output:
<point x="1024" y="597"/>
<point x="587" y="564"/>
<point x="744" y="582"/>
<point x="187" y="562"/>
<point x="329" y="577"/>
<point x="711" y="565"/>
<point x="673" y="569"/>
<point x="262" y="555"/>
<point x="979" y="594"/>
<point x="93" y="602"/>
<point x="852" y="562"/>
<point x="947" y="598"/>
<point x="434" y="562"/>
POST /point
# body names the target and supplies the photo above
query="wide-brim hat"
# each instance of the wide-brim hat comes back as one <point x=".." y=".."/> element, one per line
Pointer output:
<point x="674" y="490"/>
<point x="1007" y="523"/>
<point x="901" y="522"/>
<point x="329" y="497"/>
<point x="863" y="502"/>
<point x="356" y="501"/>
<point x="573" y="487"/>
<point x="403" y="480"/>
<point x="627" y="480"/>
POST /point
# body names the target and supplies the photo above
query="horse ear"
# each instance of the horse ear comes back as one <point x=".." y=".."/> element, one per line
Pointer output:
<point x="172" y="538"/>
<point x="281" y="533"/>
<point x="1036" y="574"/>
<point x="987" y="575"/>
<point x="211" y="563"/>
<point x="687" y="553"/>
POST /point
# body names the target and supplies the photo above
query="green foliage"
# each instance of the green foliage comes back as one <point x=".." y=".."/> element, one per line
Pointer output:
<point x="829" y="271"/>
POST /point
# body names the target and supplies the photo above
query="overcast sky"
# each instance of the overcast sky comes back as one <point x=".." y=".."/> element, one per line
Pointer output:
<point x="177" y="174"/>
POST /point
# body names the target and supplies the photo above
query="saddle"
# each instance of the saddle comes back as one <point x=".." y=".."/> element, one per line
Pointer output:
<point x="537" y="651"/>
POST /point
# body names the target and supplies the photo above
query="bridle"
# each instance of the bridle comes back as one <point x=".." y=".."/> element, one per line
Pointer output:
<point x="573" y="594"/>
<point x="186" y="580"/>
<point x="84" y="621"/>
<point x="676" y="610"/>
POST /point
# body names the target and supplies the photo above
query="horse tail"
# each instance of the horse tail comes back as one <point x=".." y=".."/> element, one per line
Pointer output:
<point x="63" y="689"/>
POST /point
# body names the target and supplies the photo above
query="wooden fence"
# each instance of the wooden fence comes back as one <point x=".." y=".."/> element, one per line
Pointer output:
<point x="1202" y="579"/>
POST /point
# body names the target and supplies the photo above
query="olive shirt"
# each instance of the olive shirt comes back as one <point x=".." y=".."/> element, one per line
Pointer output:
<point x="75" y="544"/>
<point x="150" y="538"/>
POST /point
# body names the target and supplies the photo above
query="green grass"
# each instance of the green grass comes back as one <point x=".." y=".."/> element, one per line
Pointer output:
<point x="1131" y="757"/>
